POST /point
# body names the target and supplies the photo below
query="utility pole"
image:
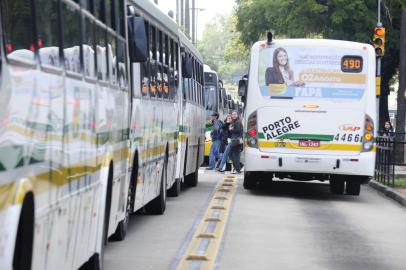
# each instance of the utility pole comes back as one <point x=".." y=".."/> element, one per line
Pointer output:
<point x="193" y="21"/>
<point x="187" y="18"/>
<point x="182" y="13"/>
<point x="177" y="12"/>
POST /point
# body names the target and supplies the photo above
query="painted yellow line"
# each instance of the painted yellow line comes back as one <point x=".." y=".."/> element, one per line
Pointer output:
<point x="202" y="250"/>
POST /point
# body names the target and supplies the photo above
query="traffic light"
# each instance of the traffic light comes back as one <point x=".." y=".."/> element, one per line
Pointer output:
<point x="379" y="41"/>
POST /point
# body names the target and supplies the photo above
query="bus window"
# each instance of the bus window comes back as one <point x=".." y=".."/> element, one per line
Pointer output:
<point x="18" y="30"/>
<point x="108" y="10"/>
<point x="101" y="53"/>
<point x="159" y="77"/>
<point x="71" y="37"/>
<point x="98" y="10"/>
<point x="86" y="4"/>
<point x="112" y="57"/>
<point x="47" y="25"/>
<point x="122" y="63"/>
<point x="153" y="70"/>
<point x="89" y="56"/>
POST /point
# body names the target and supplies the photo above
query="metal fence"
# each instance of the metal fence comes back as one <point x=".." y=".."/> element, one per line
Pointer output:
<point x="390" y="156"/>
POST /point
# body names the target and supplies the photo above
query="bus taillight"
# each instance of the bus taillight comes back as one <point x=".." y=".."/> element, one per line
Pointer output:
<point x="368" y="138"/>
<point x="252" y="133"/>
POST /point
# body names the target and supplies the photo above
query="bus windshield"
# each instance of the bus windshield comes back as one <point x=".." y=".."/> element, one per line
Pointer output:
<point x="322" y="73"/>
<point x="210" y="98"/>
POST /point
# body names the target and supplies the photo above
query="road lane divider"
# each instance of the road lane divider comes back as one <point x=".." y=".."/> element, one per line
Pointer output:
<point x="204" y="246"/>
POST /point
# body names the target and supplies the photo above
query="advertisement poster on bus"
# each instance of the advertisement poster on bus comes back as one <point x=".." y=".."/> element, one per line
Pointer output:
<point x="290" y="72"/>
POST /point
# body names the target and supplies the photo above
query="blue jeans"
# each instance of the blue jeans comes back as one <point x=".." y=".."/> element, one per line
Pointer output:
<point x="224" y="157"/>
<point x="214" y="153"/>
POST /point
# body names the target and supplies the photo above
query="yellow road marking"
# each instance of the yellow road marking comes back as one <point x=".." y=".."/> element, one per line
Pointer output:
<point x="202" y="250"/>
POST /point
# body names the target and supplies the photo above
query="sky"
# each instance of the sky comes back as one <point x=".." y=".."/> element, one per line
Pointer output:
<point x="211" y="8"/>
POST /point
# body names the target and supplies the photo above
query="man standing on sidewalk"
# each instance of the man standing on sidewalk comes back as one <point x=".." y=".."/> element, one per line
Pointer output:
<point x="215" y="141"/>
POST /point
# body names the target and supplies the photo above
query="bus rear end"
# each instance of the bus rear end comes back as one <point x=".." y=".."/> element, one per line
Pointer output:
<point x="311" y="113"/>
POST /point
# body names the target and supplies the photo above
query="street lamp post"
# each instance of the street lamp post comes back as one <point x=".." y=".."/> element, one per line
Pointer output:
<point x="195" y="12"/>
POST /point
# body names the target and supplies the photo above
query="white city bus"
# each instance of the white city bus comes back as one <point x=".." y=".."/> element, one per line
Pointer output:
<point x="216" y="101"/>
<point x="167" y="120"/>
<point x="64" y="116"/>
<point x="310" y="112"/>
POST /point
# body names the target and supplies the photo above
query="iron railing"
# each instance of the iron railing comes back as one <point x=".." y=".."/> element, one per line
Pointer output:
<point x="390" y="155"/>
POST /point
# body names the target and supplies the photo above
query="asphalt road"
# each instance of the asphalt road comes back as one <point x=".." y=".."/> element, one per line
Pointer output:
<point x="288" y="225"/>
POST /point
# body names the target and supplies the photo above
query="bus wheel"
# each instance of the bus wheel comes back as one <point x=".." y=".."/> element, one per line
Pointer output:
<point x="94" y="263"/>
<point x="25" y="236"/>
<point x="158" y="205"/>
<point x="337" y="186"/>
<point x="353" y="187"/>
<point x="174" y="191"/>
<point x="192" y="179"/>
<point x="250" y="181"/>
<point x="121" y="230"/>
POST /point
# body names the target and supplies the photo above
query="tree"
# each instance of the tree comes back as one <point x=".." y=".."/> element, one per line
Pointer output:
<point x="400" y="119"/>
<point x="223" y="50"/>
<point x="336" y="19"/>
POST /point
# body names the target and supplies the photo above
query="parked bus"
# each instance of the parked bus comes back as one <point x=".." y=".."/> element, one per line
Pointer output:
<point x="310" y="113"/>
<point x="216" y="101"/>
<point x="168" y="114"/>
<point x="64" y="115"/>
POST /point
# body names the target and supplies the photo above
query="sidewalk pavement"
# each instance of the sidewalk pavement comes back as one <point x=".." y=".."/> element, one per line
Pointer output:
<point x="396" y="194"/>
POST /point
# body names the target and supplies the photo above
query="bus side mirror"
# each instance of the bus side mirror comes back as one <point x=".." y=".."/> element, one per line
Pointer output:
<point x="187" y="67"/>
<point x="137" y="40"/>
<point x="242" y="87"/>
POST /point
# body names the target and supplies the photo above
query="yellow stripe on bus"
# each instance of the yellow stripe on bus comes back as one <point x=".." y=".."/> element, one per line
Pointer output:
<point x="63" y="175"/>
<point x="323" y="147"/>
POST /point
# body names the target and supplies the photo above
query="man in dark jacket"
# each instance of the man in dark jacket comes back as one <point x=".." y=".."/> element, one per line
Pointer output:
<point x="215" y="141"/>
<point x="236" y="131"/>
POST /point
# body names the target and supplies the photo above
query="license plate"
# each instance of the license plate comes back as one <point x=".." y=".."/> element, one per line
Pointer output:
<point x="309" y="143"/>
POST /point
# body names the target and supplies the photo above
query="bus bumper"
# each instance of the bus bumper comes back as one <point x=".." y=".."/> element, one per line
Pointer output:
<point x="359" y="165"/>
<point x="207" y="146"/>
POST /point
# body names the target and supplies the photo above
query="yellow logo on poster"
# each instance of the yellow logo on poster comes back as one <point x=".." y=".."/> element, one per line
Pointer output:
<point x="277" y="89"/>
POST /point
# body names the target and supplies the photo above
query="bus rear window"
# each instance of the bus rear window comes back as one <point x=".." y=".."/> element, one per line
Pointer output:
<point x="314" y="73"/>
<point x="18" y="29"/>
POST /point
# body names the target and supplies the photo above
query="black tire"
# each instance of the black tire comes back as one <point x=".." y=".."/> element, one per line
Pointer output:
<point x="96" y="262"/>
<point x="337" y="186"/>
<point x="25" y="236"/>
<point x="250" y="180"/>
<point x="121" y="231"/>
<point x="158" y="205"/>
<point x="192" y="179"/>
<point x="174" y="191"/>
<point x="93" y="263"/>
<point x="353" y="187"/>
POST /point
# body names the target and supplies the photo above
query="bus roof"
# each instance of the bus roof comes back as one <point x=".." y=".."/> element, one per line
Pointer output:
<point x="184" y="40"/>
<point x="152" y="11"/>
<point x="316" y="42"/>
<point x="207" y="68"/>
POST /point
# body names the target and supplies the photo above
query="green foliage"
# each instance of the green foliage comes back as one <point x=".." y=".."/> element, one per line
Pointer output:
<point x="336" y="19"/>
<point x="223" y="50"/>
<point x="352" y="20"/>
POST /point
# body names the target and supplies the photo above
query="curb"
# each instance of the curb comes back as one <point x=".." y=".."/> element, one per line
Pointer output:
<point x="388" y="192"/>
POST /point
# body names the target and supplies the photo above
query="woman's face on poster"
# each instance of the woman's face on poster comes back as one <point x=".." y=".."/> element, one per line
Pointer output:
<point x="282" y="58"/>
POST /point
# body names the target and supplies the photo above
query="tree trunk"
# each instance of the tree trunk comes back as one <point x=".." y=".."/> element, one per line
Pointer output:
<point x="383" y="106"/>
<point x="400" y="118"/>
